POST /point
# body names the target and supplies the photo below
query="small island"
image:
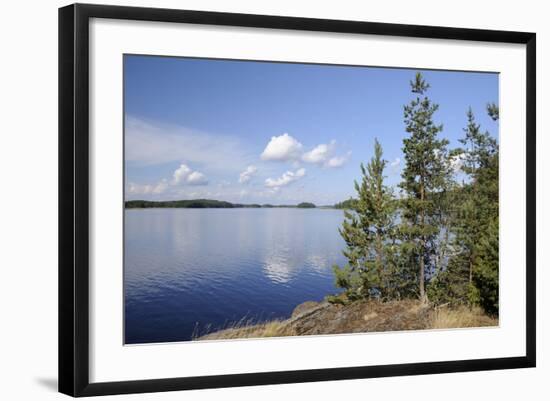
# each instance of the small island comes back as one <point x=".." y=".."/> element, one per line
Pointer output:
<point x="306" y="205"/>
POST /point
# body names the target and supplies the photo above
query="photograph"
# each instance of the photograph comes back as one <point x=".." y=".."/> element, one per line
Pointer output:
<point x="274" y="199"/>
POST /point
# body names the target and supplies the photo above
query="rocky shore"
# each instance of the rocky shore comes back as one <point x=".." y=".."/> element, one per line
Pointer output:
<point x="317" y="318"/>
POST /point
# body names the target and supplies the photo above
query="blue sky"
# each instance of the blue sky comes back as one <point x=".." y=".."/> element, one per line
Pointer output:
<point x="260" y="132"/>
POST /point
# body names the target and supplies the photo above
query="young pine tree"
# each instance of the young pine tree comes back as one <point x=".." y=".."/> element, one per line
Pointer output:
<point x="477" y="223"/>
<point x="493" y="111"/>
<point x="424" y="179"/>
<point x="472" y="272"/>
<point x="480" y="195"/>
<point x="367" y="230"/>
<point x="485" y="274"/>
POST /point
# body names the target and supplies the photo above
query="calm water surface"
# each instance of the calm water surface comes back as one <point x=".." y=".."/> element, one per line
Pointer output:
<point x="196" y="270"/>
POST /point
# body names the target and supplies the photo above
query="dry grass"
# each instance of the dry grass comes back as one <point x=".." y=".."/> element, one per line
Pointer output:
<point x="447" y="318"/>
<point x="248" y="329"/>
<point x="355" y="317"/>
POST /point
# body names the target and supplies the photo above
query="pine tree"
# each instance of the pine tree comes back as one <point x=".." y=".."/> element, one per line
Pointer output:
<point x="483" y="168"/>
<point x="480" y="200"/>
<point x="424" y="179"/>
<point x="480" y="147"/>
<point x="472" y="273"/>
<point x="367" y="231"/>
<point x="485" y="274"/>
<point x="493" y="111"/>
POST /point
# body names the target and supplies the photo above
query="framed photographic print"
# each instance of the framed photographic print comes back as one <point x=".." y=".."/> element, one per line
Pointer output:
<point x="250" y="199"/>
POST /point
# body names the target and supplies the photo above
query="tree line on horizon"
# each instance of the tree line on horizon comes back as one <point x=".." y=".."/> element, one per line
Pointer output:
<point x="437" y="238"/>
<point x="206" y="204"/>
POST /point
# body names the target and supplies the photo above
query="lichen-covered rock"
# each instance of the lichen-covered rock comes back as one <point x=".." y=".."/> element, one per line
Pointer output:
<point x="304" y="307"/>
<point x="363" y="317"/>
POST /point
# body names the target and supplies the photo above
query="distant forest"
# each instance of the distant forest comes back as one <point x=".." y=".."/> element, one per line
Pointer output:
<point x="206" y="203"/>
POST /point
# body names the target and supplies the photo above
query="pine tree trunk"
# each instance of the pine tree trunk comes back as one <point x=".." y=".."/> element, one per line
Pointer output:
<point x="421" y="271"/>
<point x="381" y="275"/>
<point x="443" y="247"/>
<point x="422" y="245"/>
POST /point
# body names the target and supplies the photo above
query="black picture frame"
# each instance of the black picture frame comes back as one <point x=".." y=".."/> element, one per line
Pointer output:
<point x="74" y="198"/>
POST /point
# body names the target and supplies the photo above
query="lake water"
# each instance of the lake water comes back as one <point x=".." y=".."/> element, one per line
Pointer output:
<point x="197" y="270"/>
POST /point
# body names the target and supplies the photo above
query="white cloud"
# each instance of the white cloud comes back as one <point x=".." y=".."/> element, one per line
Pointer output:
<point x="319" y="154"/>
<point x="137" y="189"/>
<point x="161" y="187"/>
<point x="181" y="173"/>
<point x="151" y="143"/>
<point x="338" y="161"/>
<point x="395" y="165"/>
<point x="285" y="179"/>
<point x="322" y="155"/>
<point x="247" y="174"/>
<point x="282" y="148"/>
<point x="196" y="178"/>
<point x="184" y="175"/>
